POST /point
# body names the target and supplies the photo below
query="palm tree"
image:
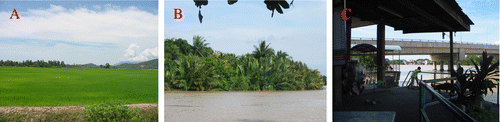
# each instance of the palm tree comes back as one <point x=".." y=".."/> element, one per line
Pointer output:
<point x="263" y="50"/>
<point x="199" y="44"/>
<point x="281" y="54"/>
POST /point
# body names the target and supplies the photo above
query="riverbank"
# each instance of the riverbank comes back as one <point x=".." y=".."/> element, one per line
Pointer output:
<point x="145" y="112"/>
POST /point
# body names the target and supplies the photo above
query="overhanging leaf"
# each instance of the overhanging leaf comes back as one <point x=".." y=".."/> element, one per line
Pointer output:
<point x="199" y="3"/>
<point x="200" y="17"/>
<point x="231" y="2"/>
<point x="284" y="4"/>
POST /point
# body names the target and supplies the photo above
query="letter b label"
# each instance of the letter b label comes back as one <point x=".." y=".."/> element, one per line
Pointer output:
<point x="178" y="15"/>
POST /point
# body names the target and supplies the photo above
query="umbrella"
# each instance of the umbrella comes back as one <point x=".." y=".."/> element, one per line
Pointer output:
<point x="364" y="48"/>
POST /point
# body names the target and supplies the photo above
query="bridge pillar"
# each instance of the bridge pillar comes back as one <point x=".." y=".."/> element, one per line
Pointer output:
<point x="435" y="65"/>
<point x="446" y="57"/>
<point x="442" y="66"/>
<point x="461" y="54"/>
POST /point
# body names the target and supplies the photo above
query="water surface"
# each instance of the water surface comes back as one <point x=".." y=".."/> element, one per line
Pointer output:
<point x="195" y="106"/>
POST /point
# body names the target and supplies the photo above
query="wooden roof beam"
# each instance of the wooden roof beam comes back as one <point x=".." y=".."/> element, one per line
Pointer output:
<point x="426" y="15"/>
<point x="453" y="13"/>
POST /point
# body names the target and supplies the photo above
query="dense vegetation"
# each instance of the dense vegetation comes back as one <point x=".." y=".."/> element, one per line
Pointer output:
<point x="30" y="86"/>
<point x="30" y="63"/>
<point x="197" y="67"/>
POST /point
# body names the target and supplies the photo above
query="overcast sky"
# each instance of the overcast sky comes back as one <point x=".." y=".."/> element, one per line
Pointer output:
<point x="483" y="13"/>
<point x="300" y="31"/>
<point x="80" y="32"/>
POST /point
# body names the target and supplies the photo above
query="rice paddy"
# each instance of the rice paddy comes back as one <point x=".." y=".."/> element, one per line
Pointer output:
<point x="31" y="86"/>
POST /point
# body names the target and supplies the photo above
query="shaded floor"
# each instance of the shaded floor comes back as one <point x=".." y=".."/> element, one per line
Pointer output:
<point x="403" y="101"/>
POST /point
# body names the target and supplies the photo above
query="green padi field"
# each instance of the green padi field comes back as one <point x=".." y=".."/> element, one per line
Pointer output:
<point x="30" y="86"/>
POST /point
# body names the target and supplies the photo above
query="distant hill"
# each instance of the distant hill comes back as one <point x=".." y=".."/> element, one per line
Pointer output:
<point x="89" y="65"/>
<point x="151" y="64"/>
<point x="126" y="62"/>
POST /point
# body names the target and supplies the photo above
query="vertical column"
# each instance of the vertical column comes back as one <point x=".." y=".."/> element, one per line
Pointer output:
<point x="380" y="51"/>
<point x="442" y="66"/>
<point x="339" y="43"/>
<point x="450" y="64"/>
<point x="435" y="65"/>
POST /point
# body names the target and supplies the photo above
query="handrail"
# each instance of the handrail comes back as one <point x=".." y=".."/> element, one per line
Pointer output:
<point x="439" y="80"/>
<point x="419" y="72"/>
<point x="447" y="104"/>
<point x="406" y="78"/>
<point x="424" y="114"/>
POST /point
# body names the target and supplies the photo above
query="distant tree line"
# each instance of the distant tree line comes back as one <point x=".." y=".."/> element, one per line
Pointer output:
<point x="42" y="63"/>
<point x="30" y="63"/>
<point x="199" y="68"/>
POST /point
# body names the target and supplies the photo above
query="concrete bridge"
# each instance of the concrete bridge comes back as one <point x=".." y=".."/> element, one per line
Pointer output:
<point x="439" y="50"/>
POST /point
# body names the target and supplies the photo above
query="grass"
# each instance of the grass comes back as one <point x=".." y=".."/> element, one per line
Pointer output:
<point x="30" y="86"/>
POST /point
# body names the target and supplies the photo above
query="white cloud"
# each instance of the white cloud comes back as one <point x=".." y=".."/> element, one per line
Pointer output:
<point x="100" y="34"/>
<point x="130" y="52"/>
<point x="147" y="54"/>
<point x="112" y="25"/>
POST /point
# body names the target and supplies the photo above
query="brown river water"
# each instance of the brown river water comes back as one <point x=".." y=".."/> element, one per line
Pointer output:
<point x="195" y="106"/>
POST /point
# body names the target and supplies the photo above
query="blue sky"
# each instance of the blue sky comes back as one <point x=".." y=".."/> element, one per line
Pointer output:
<point x="483" y="13"/>
<point x="79" y="32"/>
<point x="300" y="31"/>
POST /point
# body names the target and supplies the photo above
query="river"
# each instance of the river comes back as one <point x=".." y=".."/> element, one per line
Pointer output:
<point x="196" y="106"/>
<point x="491" y="97"/>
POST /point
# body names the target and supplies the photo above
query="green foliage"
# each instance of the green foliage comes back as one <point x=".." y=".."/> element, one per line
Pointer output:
<point x="260" y="70"/>
<point x="472" y="58"/>
<point x="367" y="60"/>
<point x="476" y="81"/>
<point x="30" y="63"/>
<point x="401" y="62"/>
<point x="107" y="66"/>
<point x="263" y="50"/>
<point x="200" y="47"/>
<point x="108" y="112"/>
<point x="116" y="111"/>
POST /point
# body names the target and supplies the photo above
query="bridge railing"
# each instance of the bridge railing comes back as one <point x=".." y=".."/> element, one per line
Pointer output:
<point x="421" y="40"/>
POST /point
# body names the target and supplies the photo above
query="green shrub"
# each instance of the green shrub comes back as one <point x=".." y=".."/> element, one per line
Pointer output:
<point x="108" y="112"/>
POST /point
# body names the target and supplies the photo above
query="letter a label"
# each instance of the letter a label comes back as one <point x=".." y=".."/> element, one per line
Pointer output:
<point x="178" y="15"/>
<point x="14" y="13"/>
